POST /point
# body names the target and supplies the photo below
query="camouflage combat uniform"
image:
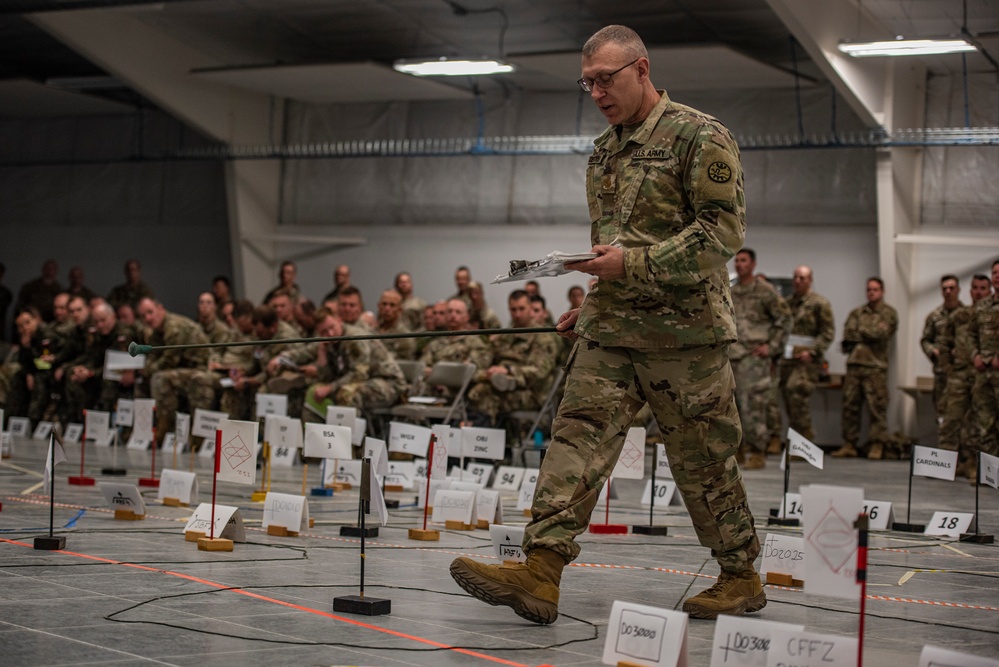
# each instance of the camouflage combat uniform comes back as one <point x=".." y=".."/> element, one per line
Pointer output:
<point x="812" y="317"/>
<point x="671" y="194"/>
<point x="412" y="312"/>
<point x="867" y="335"/>
<point x="530" y="360"/>
<point x="983" y="333"/>
<point x="462" y="349"/>
<point x="127" y="293"/>
<point x="363" y="374"/>
<point x="403" y="349"/>
<point x="957" y="429"/>
<point x="761" y="316"/>
<point x="174" y="374"/>
<point x="251" y="361"/>
<point x="933" y="329"/>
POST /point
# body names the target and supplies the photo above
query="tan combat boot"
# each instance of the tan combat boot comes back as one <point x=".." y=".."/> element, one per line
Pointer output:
<point x="847" y="451"/>
<point x="876" y="452"/>
<point x="530" y="589"/>
<point x="733" y="594"/>
<point x="775" y="445"/>
<point x="755" y="461"/>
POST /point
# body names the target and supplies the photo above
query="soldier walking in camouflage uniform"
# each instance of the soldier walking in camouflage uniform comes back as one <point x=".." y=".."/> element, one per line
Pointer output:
<point x="933" y="329"/>
<point x="665" y="192"/>
<point x="762" y="321"/>
<point x="957" y="431"/>
<point x="813" y="331"/>
<point x="867" y="334"/>
<point x="983" y="333"/>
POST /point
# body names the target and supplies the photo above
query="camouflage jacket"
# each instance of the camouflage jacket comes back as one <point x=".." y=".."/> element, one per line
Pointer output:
<point x="761" y="316"/>
<point x="933" y="329"/>
<point x="97" y="345"/>
<point x="176" y="330"/>
<point x="868" y="333"/>
<point x="130" y="294"/>
<point x="812" y="316"/>
<point x="401" y="348"/>
<point x="529" y="356"/>
<point x="671" y="194"/>
<point x="472" y="349"/>
<point x="412" y="312"/>
<point x="983" y="330"/>
<point x="956" y="348"/>
<point x="356" y="361"/>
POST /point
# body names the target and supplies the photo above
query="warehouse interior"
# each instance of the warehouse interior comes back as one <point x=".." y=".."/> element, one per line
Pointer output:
<point x="208" y="137"/>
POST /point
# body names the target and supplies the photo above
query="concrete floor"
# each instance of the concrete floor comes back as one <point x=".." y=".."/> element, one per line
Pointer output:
<point x="135" y="593"/>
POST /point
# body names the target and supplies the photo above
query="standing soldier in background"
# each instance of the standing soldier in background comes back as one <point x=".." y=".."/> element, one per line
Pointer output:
<point x="957" y="431"/>
<point x="867" y="334"/>
<point x="933" y="329"/>
<point x="983" y="333"/>
<point x="812" y="333"/>
<point x="762" y="321"/>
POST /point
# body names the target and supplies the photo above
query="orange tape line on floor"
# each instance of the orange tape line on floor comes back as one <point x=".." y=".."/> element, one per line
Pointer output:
<point x="282" y="603"/>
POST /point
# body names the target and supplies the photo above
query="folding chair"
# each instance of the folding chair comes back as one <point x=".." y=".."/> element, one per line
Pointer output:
<point x="412" y="371"/>
<point x="546" y="414"/>
<point x="456" y="377"/>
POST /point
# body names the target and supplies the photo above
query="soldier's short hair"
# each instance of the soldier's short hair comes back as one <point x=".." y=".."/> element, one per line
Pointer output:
<point x="875" y="279"/>
<point x="949" y="276"/>
<point x="981" y="276"/>
<point x="264" y="315"/>
<point x="349" y="290"/>
<point x="748" y="251"/>
<point x="623" y="36"/>
<point x="994" y="263"/>
<point x="518" y="294"/>
<point x="322" y="313"/>
<point x="242" y="308"/>
<point x="281" y="291"/>
<point x="538" y="298"/>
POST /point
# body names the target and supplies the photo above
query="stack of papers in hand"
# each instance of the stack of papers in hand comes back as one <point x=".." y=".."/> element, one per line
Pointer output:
<point x="552" y="264"/>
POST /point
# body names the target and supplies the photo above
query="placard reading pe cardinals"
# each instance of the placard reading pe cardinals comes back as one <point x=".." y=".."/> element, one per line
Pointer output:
<point x="930" y="462"/>
<point x="327" y="441"/>
<point x="282" y="509"/>
<point x="507" y="542"/>
<point x="638" y="634"/>
<point x="237" y="462"/>
<point x="409" y="439"/>
<point x="743" y="641"/>
<point x="228" y="522"/>
<point x="123" y="497"/>
<point x="483" y="443"/>
<point x="178" y="484"/>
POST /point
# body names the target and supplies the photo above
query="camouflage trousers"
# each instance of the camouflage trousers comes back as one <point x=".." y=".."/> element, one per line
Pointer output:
<point x="77" y="397"/>
<point x="692" y="396"/>
<point x="32" y="403"/>
<point x="797" y="383"/>
<point x="168" y="387"/>
<point x="8" y="372"/>
<point x="367" y="395"/>
<point x="111" y="392"/>
<point x="484" y="398"/>
<point x="939" y="392"/>
<point x="861" y="385"/>
<point x="774" y="420"/>
<point x="985" y="405"/>
<point x="752" y="396"/>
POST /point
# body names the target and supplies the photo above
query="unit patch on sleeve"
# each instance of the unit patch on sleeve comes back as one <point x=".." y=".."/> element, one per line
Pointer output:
<point x="719" y="172"/>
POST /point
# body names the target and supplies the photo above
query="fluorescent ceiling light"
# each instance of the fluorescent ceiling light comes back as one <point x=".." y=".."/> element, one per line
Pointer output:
<point x="448" y="67"/>
<point x="905" y="47"/>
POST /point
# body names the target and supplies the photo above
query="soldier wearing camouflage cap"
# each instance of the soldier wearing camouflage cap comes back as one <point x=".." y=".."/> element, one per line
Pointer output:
<point x="665" y="192"/>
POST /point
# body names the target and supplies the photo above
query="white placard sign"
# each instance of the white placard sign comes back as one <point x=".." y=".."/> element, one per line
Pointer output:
<point x="930" y="462"/>
<point x="744" y="642"/>
<point x="642" y="635"/>
<point x="811" y="649"/>
<point x="791" y="507"/>
<point x="207" y="449"/>
<point x="6" y="444"/>
<point x="452" y="505"/>
<point x="488" y="507"/>
<point x="272" y="404"/>
<point x="934" y="656"/>
<point x="783" y="554"/>
<point x="805" y="448"/>
<point x="409" y="439"/>
<point x="662" y="462"/>
<point x="237" y="460"/>
<point x="377" y="499"/>
<point x="401" y="473"/>
<point x="421" y="467"/>
<point x="141" y="437"/>
<point x="228" y="522"/>
<point x="178" y="484"/>
<point x="879" y="514"/>
<point x="508" y="478"/>
<point x="480" y="472"/>
<point x="989" y="473"/>
<point x="831" y="539"/>
<point x="183" y="429"/>
<point x="19" y="427"/>
<point x="124" y="412"/>
<point x="347" y="471"/>
<point x="170" y="445"/>
<point x="508" y="542"/>
<point x="442" y="444"/>
<point x="206" y="422"/>
<point x="376" y="451"/>
<point x="525" y="497"/>
<point x="483" y="443"/>
<point x="949" y="524"/>
<point x="328" y="441"/>
<point x="42" y="430"/>
<point x="119" y="360"/>
<point x="435" y="486"/>
<point x="631" y="463"/>
<point x="123" y="497"/>
<point x="73" y="433"/>
<point x="283" y="509"/>
<point x="344" y="416"/>
<point x="665" y="491"/>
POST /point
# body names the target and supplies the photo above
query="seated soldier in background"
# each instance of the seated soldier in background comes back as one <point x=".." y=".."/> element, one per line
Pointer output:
<point x="358" y="373"/>
<point x="228" y="363"/>
<point x="214" y="328"/>
<point x="350" y="307"/>
<point x="412" y="305"/>
<point x="31" y="388"/>
<point x="174" y="375"/>
<point x="480" y="315"/>
<point x="61" y="324"/>
<point x="84" y="384"/>
<point x="520" y="373"/>
<point x="465" y="349"/>
<point x="390" y="322"/>
<point x="283" y="306"/>
<point x="74" y="343"/>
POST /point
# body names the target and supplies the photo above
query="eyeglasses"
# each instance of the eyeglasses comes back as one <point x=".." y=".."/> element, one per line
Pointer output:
<point x="605" y="81"/>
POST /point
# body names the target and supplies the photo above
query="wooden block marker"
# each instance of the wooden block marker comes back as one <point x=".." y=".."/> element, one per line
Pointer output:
<point x="426" y="535"/>
<point x="175" y="502"/>
<point x="482" y="524"/>
<point x="398" y="488"/>
<point x="280" y="531"/>
<point x="128" y="515"/>
<point x="458" y="525"/>
<point x="193" y="535"/>
<point x="781" y="579"/>
<point x="258" y="496"/>
<point x="214" y="544"/>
